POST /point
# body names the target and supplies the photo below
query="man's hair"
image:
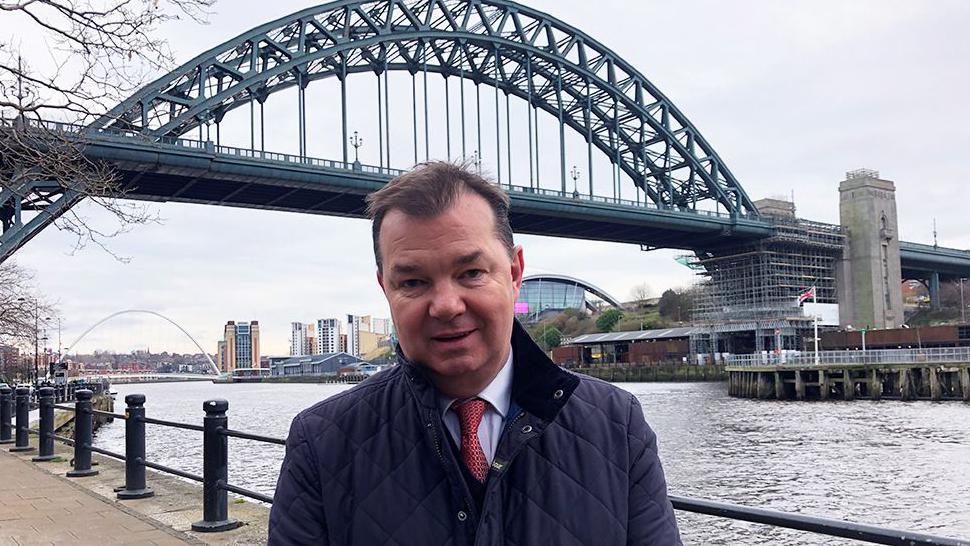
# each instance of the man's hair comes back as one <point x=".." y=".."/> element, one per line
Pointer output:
<point x="429" y="190"/>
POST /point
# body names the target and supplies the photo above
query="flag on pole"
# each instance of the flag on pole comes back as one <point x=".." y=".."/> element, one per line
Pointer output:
<point x="810" y="293"/>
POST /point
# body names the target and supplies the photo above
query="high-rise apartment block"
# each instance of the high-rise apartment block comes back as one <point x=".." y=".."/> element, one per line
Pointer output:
<point x="358" y="335"/>
<point x="381" y="326"/>
<point x="300" y="339"/>
<point x="353" y="333"/>
<point x="239" y="347"/>
<point x="328" y="336"/>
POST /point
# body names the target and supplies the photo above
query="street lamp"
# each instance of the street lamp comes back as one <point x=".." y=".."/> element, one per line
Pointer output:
<point x="46" y="319"/>
<point x="575" y="174"/>
<point x="36" y="331"/>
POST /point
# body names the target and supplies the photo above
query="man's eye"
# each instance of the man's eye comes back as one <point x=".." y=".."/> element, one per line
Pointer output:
<point x="412" y="283"/>
<point x="473" y="274"/>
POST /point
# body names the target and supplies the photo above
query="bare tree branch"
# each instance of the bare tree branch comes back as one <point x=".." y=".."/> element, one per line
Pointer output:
<point x="101" y="51"/>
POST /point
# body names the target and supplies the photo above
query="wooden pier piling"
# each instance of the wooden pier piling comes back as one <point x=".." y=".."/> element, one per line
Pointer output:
<point x="910" y="381"/>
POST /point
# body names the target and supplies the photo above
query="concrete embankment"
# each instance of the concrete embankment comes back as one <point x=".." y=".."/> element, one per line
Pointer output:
<point x="667" y="373"/>
<point x="64" y="419"/>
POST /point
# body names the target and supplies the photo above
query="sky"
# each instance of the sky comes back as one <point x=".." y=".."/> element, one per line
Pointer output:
<point x="790" y="94"/>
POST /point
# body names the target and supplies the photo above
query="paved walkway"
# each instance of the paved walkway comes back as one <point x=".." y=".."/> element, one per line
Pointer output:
<point x="37" y="507"/>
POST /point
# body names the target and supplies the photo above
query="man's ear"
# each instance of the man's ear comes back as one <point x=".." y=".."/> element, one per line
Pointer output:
<point x="380" y="281"/>
<point x="518" y="269"/>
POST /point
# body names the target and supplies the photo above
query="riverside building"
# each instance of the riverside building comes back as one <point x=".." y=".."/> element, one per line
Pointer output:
<point x="239" y="348"/>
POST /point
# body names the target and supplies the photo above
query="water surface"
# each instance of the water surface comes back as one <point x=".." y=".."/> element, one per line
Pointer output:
<point x="905" y="465"/>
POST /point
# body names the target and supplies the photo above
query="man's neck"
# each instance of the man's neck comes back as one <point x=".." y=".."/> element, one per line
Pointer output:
<point x="468" y="385"/>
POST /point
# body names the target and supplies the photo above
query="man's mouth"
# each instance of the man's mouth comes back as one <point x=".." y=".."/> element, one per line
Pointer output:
<point x="452" y="336"/>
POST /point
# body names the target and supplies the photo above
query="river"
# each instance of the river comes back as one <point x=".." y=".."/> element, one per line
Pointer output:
<point x="904" y="465"/>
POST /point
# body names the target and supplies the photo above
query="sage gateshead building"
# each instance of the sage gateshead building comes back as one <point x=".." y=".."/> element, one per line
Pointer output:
<point x="544" y="293"/>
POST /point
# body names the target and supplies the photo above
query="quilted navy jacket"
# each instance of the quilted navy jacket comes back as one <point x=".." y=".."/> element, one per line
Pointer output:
<point x="577" y="464"/>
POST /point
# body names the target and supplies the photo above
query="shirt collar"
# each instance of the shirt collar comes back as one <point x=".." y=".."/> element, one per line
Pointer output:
<point x="498" y="393"/>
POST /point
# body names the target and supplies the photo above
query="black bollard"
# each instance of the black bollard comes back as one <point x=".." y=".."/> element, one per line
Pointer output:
<point x="21" y="432"/>
<point x="45" y="441"/>
<point x="215" y="470"/>
<point x="6" y="402"/>
<point x="135" y="487"/>
<point x="83" y="432"/>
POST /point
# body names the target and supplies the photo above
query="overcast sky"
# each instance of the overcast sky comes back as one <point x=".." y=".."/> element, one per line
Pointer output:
<point x="791" y="95"/>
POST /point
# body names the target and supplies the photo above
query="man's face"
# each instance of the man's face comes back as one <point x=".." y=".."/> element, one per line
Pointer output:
<point x="451" y="287"/>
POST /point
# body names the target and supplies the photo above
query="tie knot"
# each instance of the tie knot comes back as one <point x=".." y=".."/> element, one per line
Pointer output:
<point x="470" y="414"/>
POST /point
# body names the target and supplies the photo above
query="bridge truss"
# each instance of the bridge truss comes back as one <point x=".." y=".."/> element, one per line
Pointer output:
<point x="518" y="51"/>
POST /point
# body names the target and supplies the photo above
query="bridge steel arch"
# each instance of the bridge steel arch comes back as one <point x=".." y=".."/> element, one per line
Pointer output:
<point x="147" y="312"/>
<point x="520" y="51"/>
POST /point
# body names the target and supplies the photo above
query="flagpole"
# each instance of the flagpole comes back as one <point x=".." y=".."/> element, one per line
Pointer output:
<point x="815" y="316"/>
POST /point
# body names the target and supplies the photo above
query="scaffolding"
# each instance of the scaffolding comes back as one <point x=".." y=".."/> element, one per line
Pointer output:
<point x="747" y="298"/>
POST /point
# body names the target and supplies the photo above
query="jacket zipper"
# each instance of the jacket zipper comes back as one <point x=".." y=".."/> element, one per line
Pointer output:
<point x="508" y="427"/>
<point x="469" y="502"/>
<point x="493" y="482"/>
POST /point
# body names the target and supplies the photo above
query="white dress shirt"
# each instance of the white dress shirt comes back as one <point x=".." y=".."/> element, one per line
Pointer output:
<point x="498" y="395"/>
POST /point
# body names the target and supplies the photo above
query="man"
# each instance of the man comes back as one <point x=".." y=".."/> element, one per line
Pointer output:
<point x="475" y="437"/>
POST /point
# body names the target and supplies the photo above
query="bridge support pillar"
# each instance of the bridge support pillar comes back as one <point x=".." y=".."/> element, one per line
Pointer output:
<point x="823" y="385"/>
<point x="848" y="385"/>
<point x="799" y="385"/>
<point x="779" y="387"/>
<point x="935" y="290"/>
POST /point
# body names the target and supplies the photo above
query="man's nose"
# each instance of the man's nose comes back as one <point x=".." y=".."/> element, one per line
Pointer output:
<point x="446" y="302"/>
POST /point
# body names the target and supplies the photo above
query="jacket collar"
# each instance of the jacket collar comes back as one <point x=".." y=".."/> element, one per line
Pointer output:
<point x="539" y="386"/>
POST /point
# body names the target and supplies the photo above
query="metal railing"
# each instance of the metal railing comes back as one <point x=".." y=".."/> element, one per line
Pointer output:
<point x="941" y="355"/>
<point x="215" y="468"/>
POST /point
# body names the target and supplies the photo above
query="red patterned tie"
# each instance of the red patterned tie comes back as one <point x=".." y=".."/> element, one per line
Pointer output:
<point x="470" y="414"/>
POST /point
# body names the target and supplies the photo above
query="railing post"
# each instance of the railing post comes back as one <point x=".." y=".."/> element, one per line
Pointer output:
<point x="215" y="469"/>
<point x="83" y="425"/>
<point x="23" y="421"/>
<point x="6" y="401"/>
<point x="135" y="487"/>
<point x="45" y="440"/>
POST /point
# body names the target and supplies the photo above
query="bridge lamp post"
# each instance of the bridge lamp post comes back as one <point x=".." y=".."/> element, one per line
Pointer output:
<point x="575" y="174"/>
<point x="356" y="141"/>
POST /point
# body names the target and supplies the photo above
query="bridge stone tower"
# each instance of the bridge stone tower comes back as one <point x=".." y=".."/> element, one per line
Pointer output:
<point x="869" y="274"/>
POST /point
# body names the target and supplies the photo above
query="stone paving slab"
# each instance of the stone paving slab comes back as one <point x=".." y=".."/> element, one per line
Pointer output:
<point x="37" y="507"/>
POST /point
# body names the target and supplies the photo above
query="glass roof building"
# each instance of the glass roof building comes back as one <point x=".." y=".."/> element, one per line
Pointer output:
<point x="554" y="293"/>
